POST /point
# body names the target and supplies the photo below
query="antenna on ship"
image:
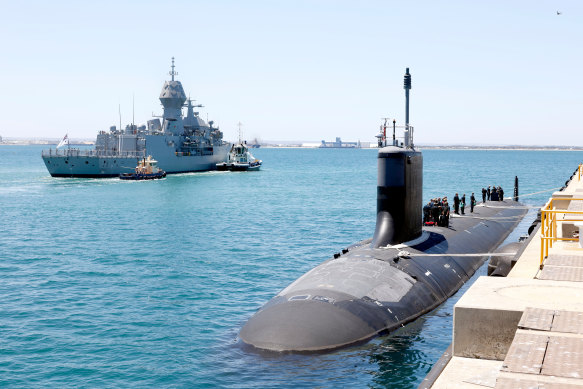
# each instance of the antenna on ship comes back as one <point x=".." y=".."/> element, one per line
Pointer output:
<point x="240" y="124"/>
<point x="407" y="87"/>
<point x="173" y="73"/>
<point x="119" y="133"/>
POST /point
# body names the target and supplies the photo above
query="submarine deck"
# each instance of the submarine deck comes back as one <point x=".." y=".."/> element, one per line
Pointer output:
<point x="537" y="341"/>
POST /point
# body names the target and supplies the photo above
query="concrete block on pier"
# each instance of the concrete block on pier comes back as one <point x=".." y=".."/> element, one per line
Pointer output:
<point x="487" y="315"/>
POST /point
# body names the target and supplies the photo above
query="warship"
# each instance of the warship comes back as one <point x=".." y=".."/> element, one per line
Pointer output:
<point x="179" y="144"/>
<point x="380" y="284"/>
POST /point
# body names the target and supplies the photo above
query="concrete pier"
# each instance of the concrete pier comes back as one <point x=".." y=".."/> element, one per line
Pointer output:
<point x="526" y="330"/>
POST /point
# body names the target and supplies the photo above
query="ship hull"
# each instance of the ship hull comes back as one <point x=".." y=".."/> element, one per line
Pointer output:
<point x="94" y="166"/>
<point x="366" y="291"/>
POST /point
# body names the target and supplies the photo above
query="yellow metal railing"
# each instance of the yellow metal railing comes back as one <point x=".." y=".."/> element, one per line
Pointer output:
<point x="580" y="172"/>
<point x="549" y="224"/>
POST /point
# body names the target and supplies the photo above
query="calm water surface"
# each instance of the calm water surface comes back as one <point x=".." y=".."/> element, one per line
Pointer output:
<point x="107" y="283"/>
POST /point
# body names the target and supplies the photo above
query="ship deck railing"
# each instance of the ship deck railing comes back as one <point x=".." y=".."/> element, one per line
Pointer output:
<point x="74" y="152"/>
<point x="551" y="217"/>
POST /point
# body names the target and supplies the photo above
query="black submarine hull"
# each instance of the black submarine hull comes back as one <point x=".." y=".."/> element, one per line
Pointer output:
<point x="368" y="290"/>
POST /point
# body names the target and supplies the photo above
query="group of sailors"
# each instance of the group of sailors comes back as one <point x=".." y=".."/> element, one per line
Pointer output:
<point x="460" y="203"/>
<point x="494" y="193"/>
<point x="436" y="212"/>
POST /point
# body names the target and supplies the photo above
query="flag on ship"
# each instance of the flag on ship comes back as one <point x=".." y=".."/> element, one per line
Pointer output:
<point x="64" y="141"/>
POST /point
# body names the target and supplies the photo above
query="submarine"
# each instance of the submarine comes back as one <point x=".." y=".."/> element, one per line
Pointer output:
<point x="382" y="283"/>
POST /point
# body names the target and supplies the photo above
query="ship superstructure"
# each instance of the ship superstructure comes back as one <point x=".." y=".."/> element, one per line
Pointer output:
<point x="179" y="144"/>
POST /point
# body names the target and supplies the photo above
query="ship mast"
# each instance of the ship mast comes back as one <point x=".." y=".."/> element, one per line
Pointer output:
<point x="172" y="72"/>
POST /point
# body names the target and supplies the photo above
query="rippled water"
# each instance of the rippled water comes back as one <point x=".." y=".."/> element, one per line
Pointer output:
<point x="107" y="283"/>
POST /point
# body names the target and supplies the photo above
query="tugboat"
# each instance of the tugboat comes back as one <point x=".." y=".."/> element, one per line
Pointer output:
<point x="147" y="169"/>
<point x="239" y="158"/>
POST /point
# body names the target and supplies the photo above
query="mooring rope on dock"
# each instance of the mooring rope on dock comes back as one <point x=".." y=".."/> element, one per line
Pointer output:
<point x="507" y="206"/>
<point x="500" y="218"/>
<point x="542" y="191"/>
<point x="405" y="254"/>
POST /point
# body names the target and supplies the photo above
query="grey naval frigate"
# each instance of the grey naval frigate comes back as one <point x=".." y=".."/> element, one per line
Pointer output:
<point x="179" y="144"/>
<point x="378" y="285"/>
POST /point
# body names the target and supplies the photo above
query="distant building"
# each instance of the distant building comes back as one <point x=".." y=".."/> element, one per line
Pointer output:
<point x="338" y="144"/>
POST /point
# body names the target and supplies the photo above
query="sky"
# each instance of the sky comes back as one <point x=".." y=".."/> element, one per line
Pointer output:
<point x="483" y="73"/>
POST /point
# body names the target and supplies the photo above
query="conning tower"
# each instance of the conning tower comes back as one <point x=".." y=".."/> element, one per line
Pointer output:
<point x="399" y="188"/>
<point x="172" y="98"/>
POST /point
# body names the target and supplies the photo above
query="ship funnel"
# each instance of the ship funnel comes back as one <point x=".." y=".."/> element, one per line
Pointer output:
<point x="399" y="189"/>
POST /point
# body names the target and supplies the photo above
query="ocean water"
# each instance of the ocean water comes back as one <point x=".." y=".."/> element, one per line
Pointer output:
<point x="106" y="283"/>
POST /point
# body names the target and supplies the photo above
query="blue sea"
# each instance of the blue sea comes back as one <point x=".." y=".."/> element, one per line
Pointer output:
<point x="107" y="283"/>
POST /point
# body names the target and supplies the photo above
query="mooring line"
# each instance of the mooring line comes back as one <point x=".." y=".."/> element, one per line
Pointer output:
<point x="405" y="254"/>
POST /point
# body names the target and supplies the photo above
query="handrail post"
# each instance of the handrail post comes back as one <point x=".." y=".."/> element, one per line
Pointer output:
<point x="550" y="236"/>
<point x="542" y="243"/>
<point x="555" y="234"/>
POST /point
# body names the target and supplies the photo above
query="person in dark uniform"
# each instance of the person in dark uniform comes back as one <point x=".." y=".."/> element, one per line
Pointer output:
<point x="427" y="212"/>
<point x="488" y="193"/>
<point x="463" y="204"/>
<point x="456" y="204"/>
<point x="500" y="193"/>
<point x="472" y="202"/>
<point x="445" y="214"/>
<point x="436" y="211"/>
<point x="483" y="195"/>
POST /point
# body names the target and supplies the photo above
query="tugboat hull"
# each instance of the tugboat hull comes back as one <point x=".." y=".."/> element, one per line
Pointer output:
<point x="141" y="177"/>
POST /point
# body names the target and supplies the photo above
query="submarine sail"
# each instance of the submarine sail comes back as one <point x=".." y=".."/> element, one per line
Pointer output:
<point x="382" y="283"/>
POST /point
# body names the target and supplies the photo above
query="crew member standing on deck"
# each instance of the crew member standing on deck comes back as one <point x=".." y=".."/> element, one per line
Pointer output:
<point x="483" y="195"/>
<point x="456" y="204"/>
<point x="445" y="213"/>
<point x="472" y="202"/>
<point x="488" y="192"/>
<point x="463" y="204"/>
